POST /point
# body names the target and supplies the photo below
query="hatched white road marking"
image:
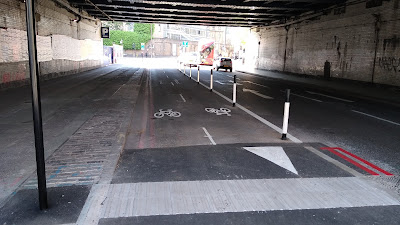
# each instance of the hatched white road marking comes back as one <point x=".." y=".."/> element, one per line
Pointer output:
<point x="209" y="136"/>
<point x="176" y="81"/>
<point x="275" y="154"/>
<point x="256" y="93"/>
<point x="172" y="84"/>
<point x="328" y="96"/>
<point x="219" y="82"/>
<point x="398" y="124"/>
<point x="184" y="100"/>
<point x="221" y="196"/>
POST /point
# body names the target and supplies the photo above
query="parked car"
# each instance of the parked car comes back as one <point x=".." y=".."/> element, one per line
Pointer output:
<point x="223" y="63"/>
<point x="189" y="58"/>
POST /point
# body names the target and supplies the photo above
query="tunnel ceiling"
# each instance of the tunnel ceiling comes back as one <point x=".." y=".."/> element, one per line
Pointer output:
<point x="245" y="13"/>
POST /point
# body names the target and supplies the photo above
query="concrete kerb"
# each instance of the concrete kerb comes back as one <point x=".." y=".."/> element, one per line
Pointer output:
<point x="393" y="101"/>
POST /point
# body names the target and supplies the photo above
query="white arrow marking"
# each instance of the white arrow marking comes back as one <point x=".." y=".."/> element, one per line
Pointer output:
<point x="256" y="93"/>
<point x="328" y="96"/>
<point x="256" y="84"/>
<point x="274" y="154"/>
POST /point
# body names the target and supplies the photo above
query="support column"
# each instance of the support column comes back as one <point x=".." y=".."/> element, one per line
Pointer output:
<point x="36" y="105"/>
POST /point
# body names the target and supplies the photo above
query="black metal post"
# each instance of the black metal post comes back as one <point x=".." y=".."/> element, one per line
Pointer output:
<point x="36" y="105"/>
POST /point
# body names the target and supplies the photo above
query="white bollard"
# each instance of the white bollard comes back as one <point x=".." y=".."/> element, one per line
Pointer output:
<point x="184" y="69"/>
<point x="190" y="71"/>
<point x="234" y="91"/>
<point x="198" y="74"/>
<point x="286" y="115"/>
<point x="211" y="80"/>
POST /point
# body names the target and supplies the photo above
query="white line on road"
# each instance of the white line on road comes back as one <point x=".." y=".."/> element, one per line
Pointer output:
<point x="328" y="96"/>
<point x="301" y="96"/>
<point x="209" y="136"/>
<point x="184" y="100"/>
<point x="219" y="82"/>
<point x="256" y="93"/>
<point x="259" y="118"/>
<point x="231" y="81"/>
<point x="167" y="76"/>
<point x="176" y="81"/>
<point x="172" y="84"/>
<point x="237" y="78"/>
<point x="160" y="81"/>
<point x="398" y="124"/>
<point x="256" y="84"/>
<point x="117" y="90"/>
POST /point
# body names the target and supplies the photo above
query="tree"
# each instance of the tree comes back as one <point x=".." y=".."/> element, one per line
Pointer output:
<point x="141" y="34"/>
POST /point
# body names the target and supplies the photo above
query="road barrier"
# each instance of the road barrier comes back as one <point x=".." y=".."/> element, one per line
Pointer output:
<point x="286" y="115"/>
<point x="198" y="74"/>
<point x="211" y="80"/>
<point x="234" y="91"/>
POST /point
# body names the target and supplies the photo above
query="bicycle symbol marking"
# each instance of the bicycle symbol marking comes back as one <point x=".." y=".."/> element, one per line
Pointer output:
<point x="168" y="112"/>
<point x="220" y="111"/>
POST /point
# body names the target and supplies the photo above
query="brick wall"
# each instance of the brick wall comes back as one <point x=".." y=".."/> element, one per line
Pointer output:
<point x="64" y="46"/>
<point x="348" y="37"/>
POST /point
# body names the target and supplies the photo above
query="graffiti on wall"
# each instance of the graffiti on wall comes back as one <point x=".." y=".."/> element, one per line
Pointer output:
<point x="391" y="64"/>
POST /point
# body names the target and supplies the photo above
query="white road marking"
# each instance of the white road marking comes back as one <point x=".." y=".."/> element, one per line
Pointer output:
<point x="219" y="82"/>
<point x="334" y="161"/>
<point x="256" y="84"/>
<point x="237" y="78"/>
<point x="259" y="118"/>
<point x="176" y="81"/>
<point x="117" y="90"/>
<point x="256" y="93"/>
<point x="184" y="100"/>
<point x="301" y="96"/>
<point x="231" y="81"/>
<point x="209" y="136"/>
<point x="275" y="154"/>
<point x="167" y="76"/>
<point x="172" y="84"/>
<point x="398" y="124"/>
<point x="245" y="195"/>
<point x="328" y="96"/>
<point x="160" y="82"/>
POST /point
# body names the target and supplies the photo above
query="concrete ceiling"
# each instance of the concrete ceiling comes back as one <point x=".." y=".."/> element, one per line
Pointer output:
<point x="245" y="13"/>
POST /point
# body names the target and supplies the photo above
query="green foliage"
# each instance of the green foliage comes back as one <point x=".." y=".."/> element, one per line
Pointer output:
<point x="141" y="34"/>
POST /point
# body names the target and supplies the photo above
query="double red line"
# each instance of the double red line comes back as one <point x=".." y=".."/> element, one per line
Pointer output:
<point x="335" y="150"/>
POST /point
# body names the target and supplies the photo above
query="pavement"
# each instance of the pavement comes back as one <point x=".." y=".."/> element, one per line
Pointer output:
<point x="124" y="165"/>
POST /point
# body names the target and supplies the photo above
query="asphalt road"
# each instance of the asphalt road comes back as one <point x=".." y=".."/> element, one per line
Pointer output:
<point x="365" y="128"/>
<point x="182" y="131"/>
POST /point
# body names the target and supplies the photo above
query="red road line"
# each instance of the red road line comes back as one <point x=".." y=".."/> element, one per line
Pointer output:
<point x="350" y="160"/>
<point x="365" y="161"/>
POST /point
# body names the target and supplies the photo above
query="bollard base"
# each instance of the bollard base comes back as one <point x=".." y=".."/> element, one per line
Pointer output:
<point x="210" y="90"/>
<point x="284" y="137"/>
<point x="233" y="104"/>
